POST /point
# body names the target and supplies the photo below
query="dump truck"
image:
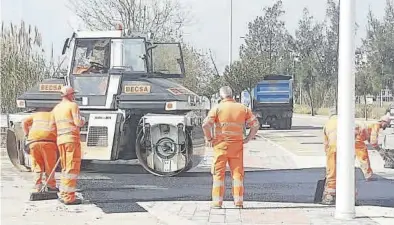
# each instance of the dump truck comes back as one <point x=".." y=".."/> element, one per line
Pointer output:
<point x="273" y="101"/>
<point x="129" y="94"/>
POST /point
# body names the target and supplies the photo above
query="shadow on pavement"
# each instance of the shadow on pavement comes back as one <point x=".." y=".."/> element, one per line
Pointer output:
<point x="121" y="192"/>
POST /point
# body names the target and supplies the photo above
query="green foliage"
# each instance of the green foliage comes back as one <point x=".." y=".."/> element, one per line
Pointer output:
<point x="200" y="76"/>
<point x="22" y="62"/>
<point x="378" y="47"/>
<point x="268" y="45"/>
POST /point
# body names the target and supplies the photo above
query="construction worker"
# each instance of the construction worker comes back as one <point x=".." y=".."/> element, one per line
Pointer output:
<point x="228" y="119"/>
<point x="68" y="122"/>
<point x="40" y="132"/>
<point x="330" y="147"/>
<point x="373" y="134"/>
<point x="363" y="132"/>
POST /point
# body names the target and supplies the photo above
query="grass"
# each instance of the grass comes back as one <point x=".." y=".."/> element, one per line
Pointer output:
<point x="374" y="112"/>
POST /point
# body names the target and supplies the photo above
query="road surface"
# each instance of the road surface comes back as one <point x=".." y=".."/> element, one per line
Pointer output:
<point x="282" y="170"/>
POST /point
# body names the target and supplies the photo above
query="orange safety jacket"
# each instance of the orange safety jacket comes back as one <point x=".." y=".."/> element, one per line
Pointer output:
<point x="362" y="135"/>
<point x="330" y="133"/>
<point x="373" y="133"/>
<point x="228" y="119"/>
<point x="68" y="121"/>
<point x="40" y="126"/>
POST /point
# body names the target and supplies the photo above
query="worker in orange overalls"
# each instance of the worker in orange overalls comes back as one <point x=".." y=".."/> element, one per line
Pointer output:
<point x="68" y="122"/>
<point x="228" y="118"/>
<point x="374" y="130"/>
<point x="330" y="147"/>
<point x="362" y="135"/>
<point x="40" y="132"/>
<point x="363" y="132"/>
<point x="369" y="132"/>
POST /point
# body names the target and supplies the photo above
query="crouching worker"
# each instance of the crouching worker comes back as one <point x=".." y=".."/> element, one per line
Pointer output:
<point x="330" y="147"/>
<point x="40" y="132"/>
<point x="373" y="135"/>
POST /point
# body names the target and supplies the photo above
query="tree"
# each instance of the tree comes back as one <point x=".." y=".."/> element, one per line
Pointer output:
<point x="22" y="62"/>
<point x="201" y="75"/>
<point x="165" y="18"/>
<point x="365" y="78"/>
<point x="309" y="38"/>
<point x="267" y="42"/>
<point x="327" y="54"/>
<point x="241" y="76"/>
<point x="379" y="47"/>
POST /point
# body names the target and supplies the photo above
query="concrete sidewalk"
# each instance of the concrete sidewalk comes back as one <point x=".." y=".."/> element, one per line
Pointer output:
<point x="199" y="213"/>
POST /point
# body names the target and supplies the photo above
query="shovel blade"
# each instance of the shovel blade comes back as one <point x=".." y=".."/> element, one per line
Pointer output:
<point x="319" y="191"/>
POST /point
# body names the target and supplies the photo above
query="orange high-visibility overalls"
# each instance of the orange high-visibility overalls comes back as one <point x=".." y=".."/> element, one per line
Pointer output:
<point x="330" y="147"/>
<point x="229" y="118"/>
<point x="68" y="121"/>
<point x="362" y="135"/>
<point x="41" y="131"/>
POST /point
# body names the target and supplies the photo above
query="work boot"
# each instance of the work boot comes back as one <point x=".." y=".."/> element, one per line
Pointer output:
<point x="371" y="178"/>
<point x="77" y="201"/>
<point x="239" y="206"/>
<point x="216" y="206"/>
<point x="328" y="200"/>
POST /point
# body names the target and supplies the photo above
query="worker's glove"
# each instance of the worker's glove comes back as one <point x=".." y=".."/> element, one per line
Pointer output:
<point x="378" y="148"/>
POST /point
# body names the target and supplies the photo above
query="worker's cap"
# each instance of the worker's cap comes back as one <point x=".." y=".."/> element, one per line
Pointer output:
<point x="385" y="118"/>
<point x="67" y="90"/>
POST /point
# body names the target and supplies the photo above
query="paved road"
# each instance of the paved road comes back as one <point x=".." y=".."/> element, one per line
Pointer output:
<point x="283" y="167"/>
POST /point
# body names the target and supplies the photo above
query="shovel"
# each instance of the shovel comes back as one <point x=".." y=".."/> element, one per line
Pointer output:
<point x="43" y="194"/>
<point x="319" y="191"/>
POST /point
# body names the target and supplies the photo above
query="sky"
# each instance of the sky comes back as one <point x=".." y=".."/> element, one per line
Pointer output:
<point x="209" y="28"/>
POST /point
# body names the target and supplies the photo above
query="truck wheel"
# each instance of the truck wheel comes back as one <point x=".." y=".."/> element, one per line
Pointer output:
<point x="289" y="123"/>
<point x="282" y="124"/>
<point x="15" y="152"/>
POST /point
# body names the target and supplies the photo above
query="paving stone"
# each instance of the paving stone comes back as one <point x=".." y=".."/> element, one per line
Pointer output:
<point x="216" y="218"/>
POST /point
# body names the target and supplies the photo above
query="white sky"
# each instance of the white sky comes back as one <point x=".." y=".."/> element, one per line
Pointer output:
<point x="210" y="27"/>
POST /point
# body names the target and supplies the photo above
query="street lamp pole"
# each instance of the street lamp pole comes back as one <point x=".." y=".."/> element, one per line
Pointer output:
<point x="345" y="191"/>
<point x="230" y="54"/>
